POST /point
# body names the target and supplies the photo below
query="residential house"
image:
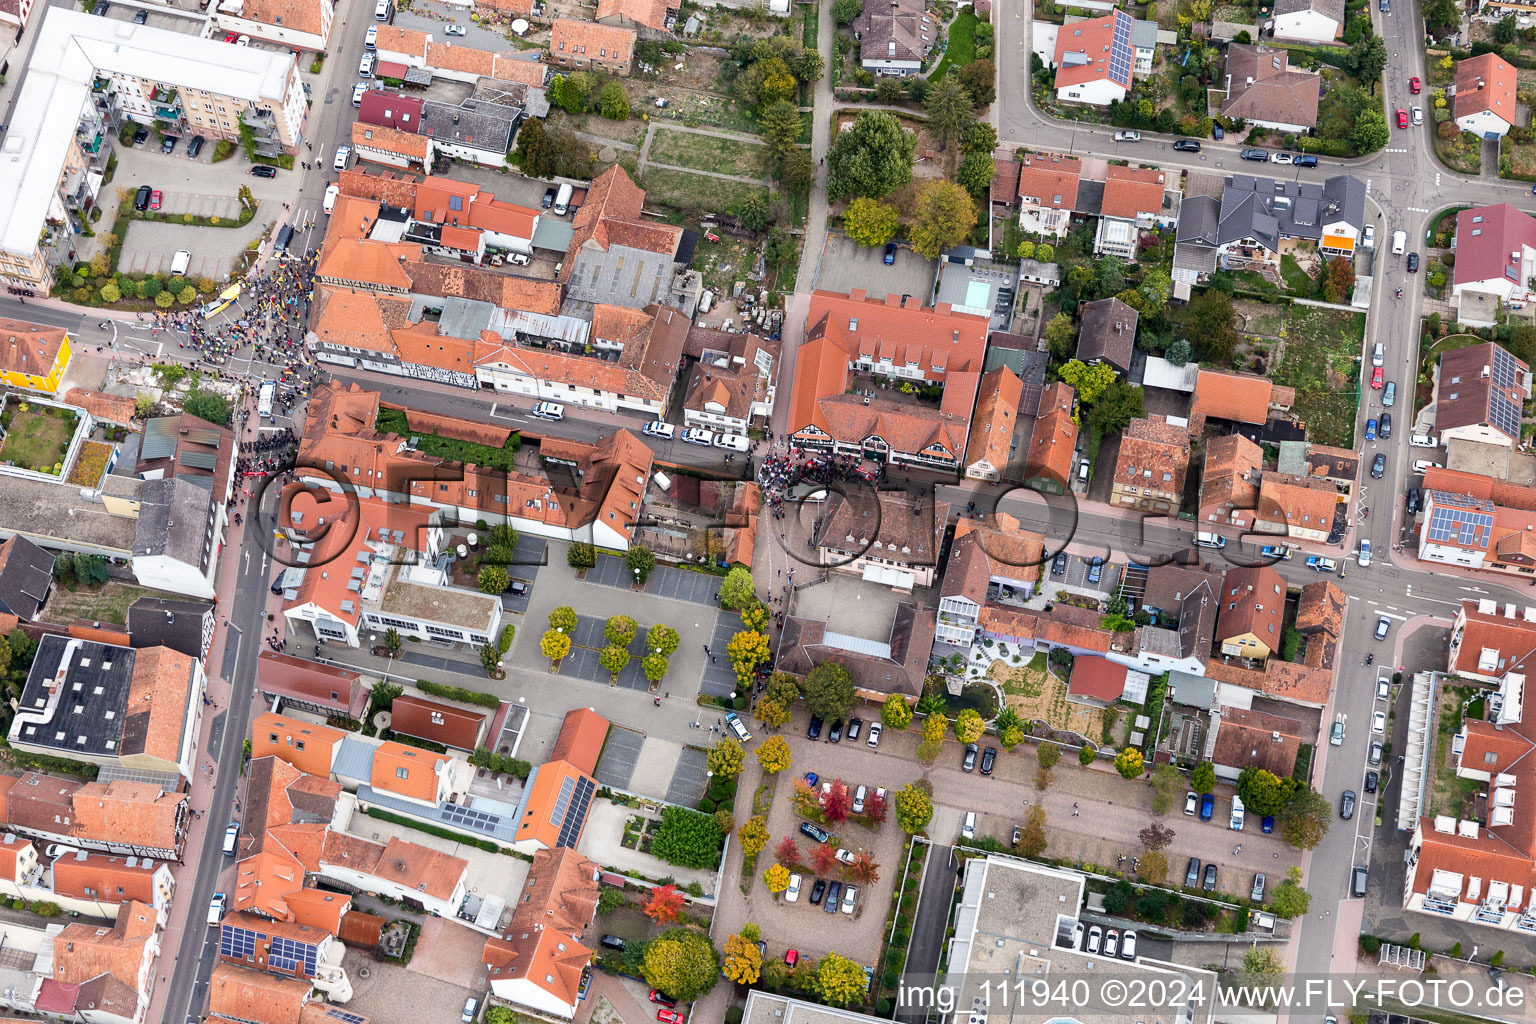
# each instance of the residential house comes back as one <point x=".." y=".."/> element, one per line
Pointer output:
<point x="454" y="727"/>
<point x="112" y="967"/>
<point x="1495" y="256"/>
<point x="111" y="706"/>
<point x="26" y="578"/>
<point x="1320" y="621"/>
<point x="1299" y="507"/>
<point x="1237" y="398"/>
<point x="1340" y="466"/>
<point x="33" y="356"/>
<point x="392" y="146"/>
<point x="1094" y="60"/>
<point x="309" y="686"/>
<point x="892" y="540"/>
<point x="1484" y="101"/>
<point x="184" y="626"/>
<point x="1048" y="184"/>
<point x="1135" y="199"/>
<point x="1107" y="334"/>
<point x="1252" y="610"/>
<point x="295" y="24"/>
<point x="552" y="811"/>
<point x="1263" y="89"/>
<point x="586" y="44"/>
<point x="986" y="559"/>
<point x="106" y="882"/>
<point x="189" y="448"/>
<point x="1004" y="190"/>
<point x="650" y="19"/>
<point x="1460" y="529"/>
<point x="615" y="256"/>
<point x="1490" y="640"/>
<point x="1048" y="465"/>
<point x="734" y="382"/>
<point x="145" y="819"/>
<point x="1244" y="738"/>
<point x="472" y="130"/>
<point x="540" y="961"/>
<point x="1480" y="392"/>
<point x="390" y="110"/>
<point x="894" y="36"/>
<point x="1099" y="682"/>
<point x="1288" y="681"/>
<point x="989" y="452"/>
<point x="1184" y="602"/>
<point x="1150" y="469"/>
<point x="1256" y="220"/>
<point x="119" y="410"/>
<point x="1308" y="21"/>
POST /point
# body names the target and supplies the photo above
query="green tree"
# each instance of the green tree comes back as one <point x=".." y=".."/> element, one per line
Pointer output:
<point x="612" y="103"/>
<point x="490" y="659"/>
<point x="1130" y="764"/>
<point x="207" y="405"/>
<point x="654" y="666"/>
<point x="844" y="11"/>
<point x="392" y="643"/>
<point x="1209" y="327"/>
<point x="688" y="839"/>
<point x="1032" y="838"/>
<point x="752" y="211"/>
<point x="871" y="158"/>
<point x="1047" y="755"/>
<point x="1289" y="899"/>
<point x="829" y="691"/>
<point x="1154" y="291"/>
<point x="1367" y="59"/>
<point x="1304" y="821"/>
<point x="619" y="630"/>
<point x="110" y="293"/>
<point x="773" y="755"/>
<point x="896" y="713"/>
<point x="781" y="126"/>
<point x="1045" y="252"/>
<point x="870" y="222"/>
<point x="839" y="980"/>
<point x="980" y="80"/>
<point x="563" y="617"/>
<point x="969" y="725"/>
<point x="1089" y="380"/>
<point x="934" y="727"/>
<point x="1178" y="352"/>
<point x="726" y="758"/>
<point x="1505" y="30"/>
<point x="493" y="579"/>
<point x="682" y="963"/>
<point x="949" y="110"/>
<point x="942" y="217"/>
<point x="1026" y="251"/>
<point x="187" y="296"/>
<point x="914" y="807"/>
<point x="1371" y="132"/>
<point x="1119" y="403"/>
<point x="614" y="659"/>
<point x="1259" y="963"/>
<point x="640" y="561"/>
<point x="1061" y="336"/>
<point x="747" y="650"/>
<point x="1086" y="755"/>
<point x="980" y="137"/>
<point x="580" y="555"/>
<point x="662" y="638"/>
<point x="1264" y="793"/>
<point x="1202" y="779"/>
<point x="771" y="713"/>
<point x="796" y="173"/>
<point x="975" y="173"/>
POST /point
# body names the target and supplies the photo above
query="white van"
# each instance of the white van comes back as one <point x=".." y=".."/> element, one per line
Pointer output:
<point x="371" y="40"/>
<point x="331" y="192"/>
<point x="1423" y="464"/>
<point x="180" y="262"/>
<point x="381" y="11"/>
<point x="1210" y="540"/>
<point x="549" y="411"/>
<point x="1236" y="824"/>
<point x="358" y="91"/>
<point x="1399" y="242"/>
<point x="1423" y="441"/>
<point x="1378" y="355"/>
<point x="732" y="442"/>
<point x="968" y="829"/>
<point x="562" y="201"/>
<point x="365" y="68"/>
<point x="216" y="908"/>
<point x="698" y="435"/>
<point x="231" y="838"/>
<point x="659" y="428"/>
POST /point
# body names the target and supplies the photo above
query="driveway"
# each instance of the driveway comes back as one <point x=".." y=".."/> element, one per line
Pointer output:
<point x="846" y="265"/>
<point x="397" y="993"/>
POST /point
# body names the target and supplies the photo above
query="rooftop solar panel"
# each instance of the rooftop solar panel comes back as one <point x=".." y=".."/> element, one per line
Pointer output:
<point x="1454" y="521"/>
<point x="576" y="814"/>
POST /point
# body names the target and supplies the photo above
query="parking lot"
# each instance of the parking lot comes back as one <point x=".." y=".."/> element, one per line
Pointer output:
<point x="719" y="678"/>
<point x="846" y="265"/>
<point x="689" y="778"/>
<point x="664" y="581"/>
<point x="620" y="755"/>
<point x="434" y="18"/>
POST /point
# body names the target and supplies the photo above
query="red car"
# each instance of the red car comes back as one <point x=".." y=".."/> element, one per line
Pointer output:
<point x="669" y="1017"/>
<point x="1378" y="379"/>
<point x="658" y="996"/>
<point x="792" y="957"/>
<point x="1402" y="118"/>
<point x="154" y="199"/>
<point x="1414" y="86"/>
<point x="231" y="37"/>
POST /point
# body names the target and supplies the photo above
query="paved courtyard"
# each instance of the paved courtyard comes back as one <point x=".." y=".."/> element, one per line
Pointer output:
<point x="846" y="265"/>
<point x="394" y="993"/>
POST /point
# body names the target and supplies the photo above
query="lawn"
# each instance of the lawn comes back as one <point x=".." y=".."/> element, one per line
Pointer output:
<point x="1319" y="356"/>
<point x="1297" y="281"/>
<point x="36" y="438"/>
<point x="108" y="603"/>
<point x="709" y="153"/>
<point x="1518" y="160"/>
<point x="685" y="191"/>
<point x="961" y="48"/>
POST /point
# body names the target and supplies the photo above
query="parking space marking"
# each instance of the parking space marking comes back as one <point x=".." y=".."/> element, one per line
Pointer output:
<point x="621" y="753"/>
<point x="688" y="779"/>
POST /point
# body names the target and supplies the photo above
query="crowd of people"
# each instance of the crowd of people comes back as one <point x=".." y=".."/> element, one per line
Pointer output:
<point x="780" y="471"/>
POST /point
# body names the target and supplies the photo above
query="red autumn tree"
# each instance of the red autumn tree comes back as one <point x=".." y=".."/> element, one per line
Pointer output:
<point x="874" y="806"/>
<point x="823" y="859"/>
<point x="787" y="852"/>
<point x="664" y="904"/>
<point x="864" y="870"/>
<point x="835" y="802"/>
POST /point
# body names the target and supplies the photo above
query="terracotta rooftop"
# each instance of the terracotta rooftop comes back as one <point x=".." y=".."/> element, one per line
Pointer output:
<point x="1295" y="502"/>
<point x="1055" y="438"/>
<point x="1049" y="180"/>
<point x="390" y="140"/>
<point x="1098" y="678"/>
<point x="1236" y="397"/>
<point x="1132" y="192"/>
<point x="243" y="995"/>
<point x="997" y="412"/>
<point x="1154" y="454"/>
<point x="1252" y="602"/>
<point x="894" y="528"/>
<point x="587" y="40"/>
<point x="1321" y="609"/>
<point x="1245" y="738"/>
<point x="1230" y="484"/>
<point x="581" y="739"/>
<point x="1299" y="684"/>
<point x="29" y="348"/>
<point x="543" y="943"/>
<point x="934" y="339"/>
<point x="1485" y="83"/>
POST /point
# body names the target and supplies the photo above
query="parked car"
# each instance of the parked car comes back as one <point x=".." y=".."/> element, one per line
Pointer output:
<point x="155" y="199"/>
<point x="1267" y="826"/>
<point x="1059" y="563"/>
<point x="1373" y="755"/>
<point x="142" y="197"/>
<point x="850" y="896"/>
<point x="658" y="996"/>
<point x="1413" y="263"/>
<point x="456" y="30"/>
<point x="1217" y="132"/>
<point x="1127" y="136"/>
<point x="1383" y="689"/>
<point x="1336" y="734"/>
<point x="1210" y="878"/>
<point x="1389" y="396"/>
<point x="1192" y="873"/>
<point x="1372" y="781"/>
<point x="859" y="796"/>
<point x="1370" y="429"/>
<point x="845" y="855"/>
<point x="791" y="895"/>
<point x="1095" y="939"/>
<point x="818" y="890"/>
<point x="1254" y="154"/>
<point x="612" y="942"/>
<point x="835" y="734"/>
<point x="343" y="154"/>
<point x="1095" y="569"/>
<point x="1378" y="378"/>
<point x="1187" y="146"/>
<point x="195" y="146"/>
<point x="1279" y="158"/>
<point x="968" y="763"/>
<point x="140" y="17"/>
<point x="1413" y="501"/>
<point x="1112" y="942"/>
<point x="810" y="779"/>
<point x="854" y="725"/>
<point x="988" y="757"/>
<point x="1347" y="804"/>
<point x="813" y="731"/>
<point x="140" y="135"/>
<point x="266" y="170"/>
<point x="1368" y="239"/>
<point x="1357" y="880"/>
<point x="834" y="894"/>
<point x="1402" y="118"/>
<point x="889" y="259"/>
<point x="168" y="144"/>
<point x="1256" y="894"/>
<point x="669" y="1017"/>
<point x="791" y="957"/>
<point x="1191" y="802"/>
<point x="1305" y="160"/>
<point x="1207" y="807"/>
<point x="1128" y="945"/>
<point x="814" y="832"/>
<point x="875" y="728"/>
<point x="1386" y="425"/>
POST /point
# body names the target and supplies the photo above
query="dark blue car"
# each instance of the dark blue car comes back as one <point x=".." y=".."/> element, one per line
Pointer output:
<point x="1217" y="133"/>
<point x="890" y="253"/>
<point x="1207" y="807"/>
<point x="1268" y="825"/>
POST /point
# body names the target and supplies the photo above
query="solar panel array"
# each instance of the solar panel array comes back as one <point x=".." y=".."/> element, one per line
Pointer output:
<point x="1453" y="520"/>
<point x="1503" y="410"/>
<point x="289" y="954"/>
<point x="576" y="815"/>
<point x="333" y="1013"/>
<point x="1120" y="54"/>
<point x="238" y="942"/>
<point x="468" y="817"/>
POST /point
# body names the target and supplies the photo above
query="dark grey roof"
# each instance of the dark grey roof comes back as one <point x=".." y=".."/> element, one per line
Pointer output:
<point x="26" y="573"/>
<point x="1108" y="333"/>
<point x="91" y="705"/>
<point x="476" y="124"/>
<point x="182" y="626"/>
<point x="176" y="519"/>
<point x="1269" y="210"/>
<point x="1090" y="197"/>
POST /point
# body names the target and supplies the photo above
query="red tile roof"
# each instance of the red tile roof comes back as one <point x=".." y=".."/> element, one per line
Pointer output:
<point x="1085" y="51"/>
<point x="589" y="41"/>
<point x="1247" y="738"/>
<point x="1154" y="454"/>
<point x="440" y="723"/>
<point x="1469" y="393"/>
<point x="105" y="877"/>
<point x="581" y="739"/>
<point x="1232" y="396"/>
<point x="29" y="348"/>
<point x="1049" y="180"/>
<point x="1098" y="678"/>
<point x="1486" y="236"/>
<point x="1130" y="192"/>
<point x="1055" y="437"/>
<point x="335" y="688"/>
<point x="933" y="339"/>
<point x="1485" y="83"/>
<point x="997" y="412"/>
<point x="542" y="945"/>
<point x="1489" y="643"/>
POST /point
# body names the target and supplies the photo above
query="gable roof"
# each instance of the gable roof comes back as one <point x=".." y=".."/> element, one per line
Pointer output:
<point x="895" y="30"/>
<point x="1320" y="609"/>
<point x="26" y="576"/>
<point x="1485" y="83"/>
<point x="440" y="723"/>
<point x="1096" y="50"/>
<point x="1153" y="454"/>
<point x="1049" y="180"/>
<point x="1333" y="9"/>
<point x="1252" y="601"/>
<point x="653" y="14"/>
<point x="568" y="35"/>
<point x="1131" y="192"/>
<point x="1241" y="398"/>
<point x="1481" y="385"/>
<point x="1261" y="85"/>
<point x="29" y="348"/>
<point x="581" y="739"/>
<point x="936" y="339"/>
<point x="1229" y="482"/>
<point x="1098" y="678"/>
<point x="1297" y="502"/>
<point x="1108" y="333"/>
<point x="542" y="944"/>
<point x="1245" y="738"/>
<point x="390" y="140"/>
<point x="1486" y="236"/>
<point x="997" y="413"/>
<point x="1055" y="437"/>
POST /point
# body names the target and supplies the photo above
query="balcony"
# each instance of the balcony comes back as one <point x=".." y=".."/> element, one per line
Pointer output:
<point x="259" y="119"/>
<point x="92" y="145"/>
<point x="161" y="94"/>
<point x="171" y="114"/>
<point x="101" y="85"/>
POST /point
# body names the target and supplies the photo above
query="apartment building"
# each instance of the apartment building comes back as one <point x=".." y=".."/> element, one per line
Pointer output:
<point x="86" y="74"/>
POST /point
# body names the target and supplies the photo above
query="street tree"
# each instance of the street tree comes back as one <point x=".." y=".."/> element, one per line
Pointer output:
<point x="726" y="758"/>
<point x="914" y="808"/>
<point x="896" y="713"/>
<point x="555" y="645"/>
<point x="771" y="713"/>
<point x="1156" y="836"/>
<point x="934" y="727"/>
<point x="773" y="755"/>
<point x="776" y="878"/>
<point x="1304" y="821"/>
<point x="737" y="590"/>
<point x="980" y="80"/>
<point x="743" y="962"/>
<point x="1263" y="793"/>
<point x="1166" y="783"/>
<point x="787" y="852"/>
<point x="1152" y="867"/>
<point x="662" y="639"/>
<point x="1130" y="764"/>
<point x="1289" y="899"/>
<point x="614" y="659"/>
<point x="836" y="802"/>
<point x="563" y="618"/>
<point x="1203" y="778"/>
<point x="1032" y="838"/>
<point x="753" y="835"/>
